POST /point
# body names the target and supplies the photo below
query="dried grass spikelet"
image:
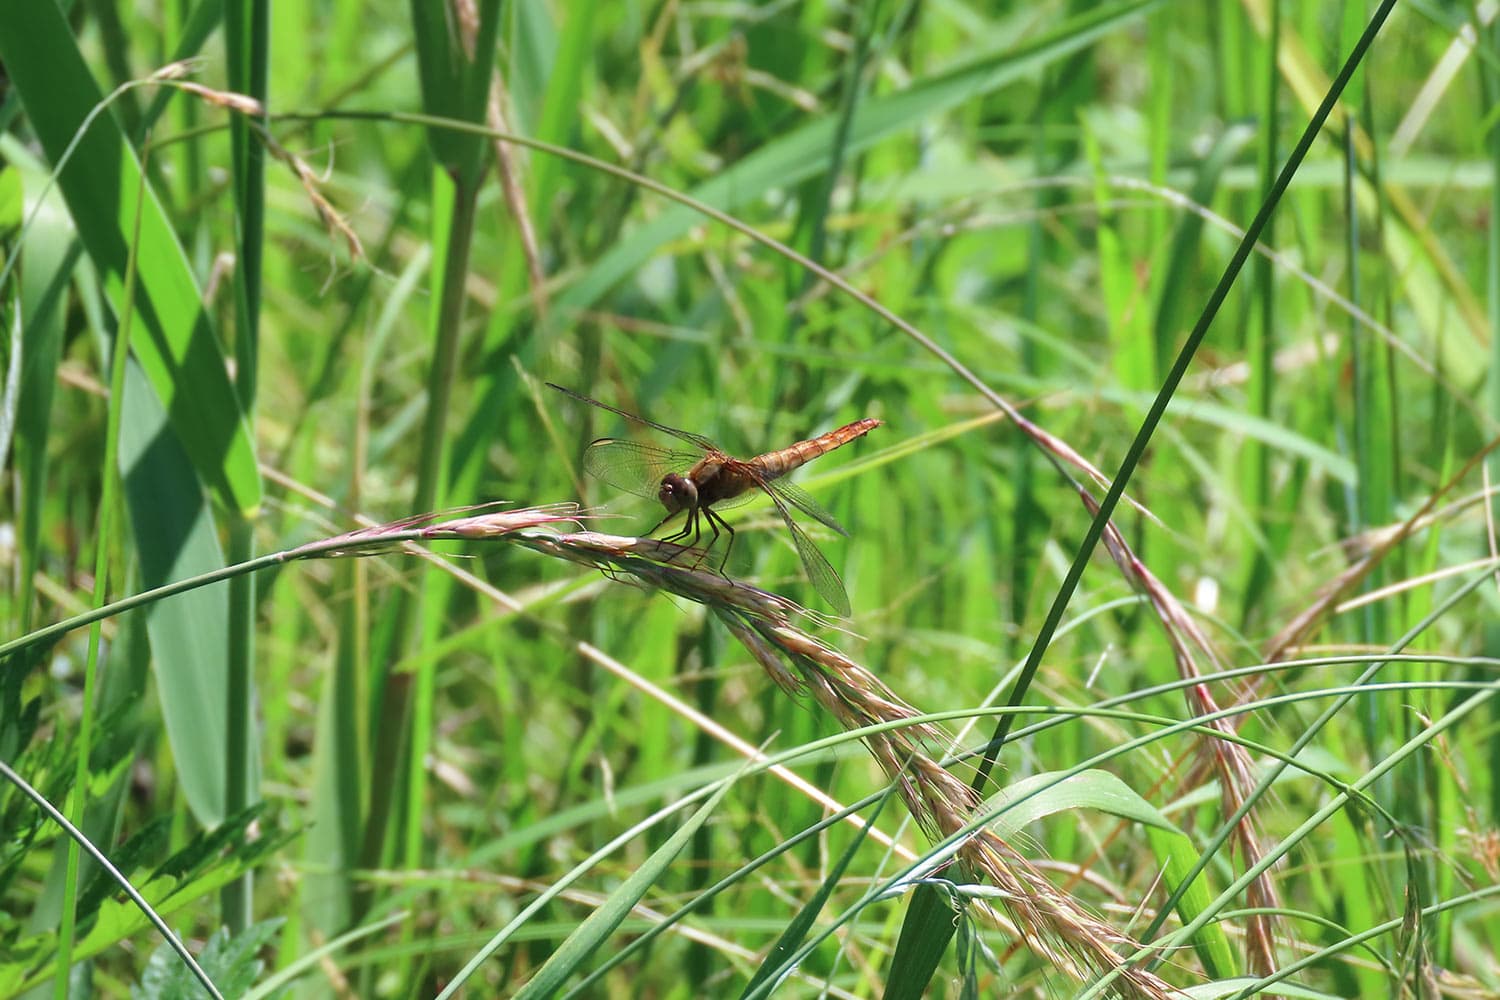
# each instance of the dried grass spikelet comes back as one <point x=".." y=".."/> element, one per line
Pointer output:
<point x="175" y="75"/>
<point x="1051" y="923"/>
<point x="332" y="221"/>
<point x="476" y="522"/>
<point x="1224" y="759"/>
<point x="1054" y="926"/>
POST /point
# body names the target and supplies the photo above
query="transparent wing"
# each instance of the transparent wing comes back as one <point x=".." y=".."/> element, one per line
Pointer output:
<point x="633" y="466"/>
<point x="824" y="580"/>
<point x="819" y="572"/>
<point x="803" y="501"/>
<point x="697" y="440"/>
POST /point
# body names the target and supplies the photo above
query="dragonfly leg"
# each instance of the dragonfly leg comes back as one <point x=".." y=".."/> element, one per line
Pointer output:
<point x="716" y="521"/>
<point x="687" y="537"/>
<point x="676" y="534"/>
<point x="701" y="551"/>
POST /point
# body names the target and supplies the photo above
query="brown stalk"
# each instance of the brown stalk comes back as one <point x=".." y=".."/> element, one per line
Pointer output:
<point x="1225" y="759"/>
<point x="1053" y="925"/>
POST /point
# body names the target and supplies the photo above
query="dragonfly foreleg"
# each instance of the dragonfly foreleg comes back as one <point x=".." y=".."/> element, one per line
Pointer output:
<point x="689" y="527"/>
<point x="674" y="535"/>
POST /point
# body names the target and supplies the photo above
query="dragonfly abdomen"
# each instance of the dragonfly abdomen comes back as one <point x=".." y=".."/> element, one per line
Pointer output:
<point x="774" y="464"/>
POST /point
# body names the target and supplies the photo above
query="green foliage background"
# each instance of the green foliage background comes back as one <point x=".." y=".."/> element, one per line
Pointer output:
<point x="334" y="312"/>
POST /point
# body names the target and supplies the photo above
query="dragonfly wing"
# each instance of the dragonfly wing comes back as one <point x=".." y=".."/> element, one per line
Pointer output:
<point x="803" y="501"/>
<point x="631" y="465"/>
<point x="696" y="440"/>
<point x="824" y="580"/>
<point x="819" y="572"/>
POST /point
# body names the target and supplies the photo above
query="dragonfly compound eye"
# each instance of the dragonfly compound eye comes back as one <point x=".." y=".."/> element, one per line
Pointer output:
<point x="677" y="493"/>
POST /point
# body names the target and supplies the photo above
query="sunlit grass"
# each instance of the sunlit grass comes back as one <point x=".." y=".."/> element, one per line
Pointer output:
<point x="579" y="759"/>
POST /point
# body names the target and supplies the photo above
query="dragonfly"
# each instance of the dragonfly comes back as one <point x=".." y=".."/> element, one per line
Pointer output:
<point x="705" y="480"/>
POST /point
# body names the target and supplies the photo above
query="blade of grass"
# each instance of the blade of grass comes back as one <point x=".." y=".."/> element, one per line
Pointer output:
<point x="1153" y="418"/>
<point x="98" y="172"/>
<point x="562" y="88"/>
<point x="797" y="156"/>
<point x="104" y="541"/>
<point x="1169" y="387"/>
<point x="602" y="922"/>
<point x="1049" y="793"/>
<point x="342" y="766"/>
<point x="172" y="524"/>
<point x="813" y="209"/>
<point x="14" y="360"/>
<point x="1262" y="342"/>
<point x="77" y="838"/>
<point x="1433" y="284"/>
<point x="796" y="930"/>
<point x="1489" y="78"/>
<point x="247" y="45"/>
<point x="455" y="83"/>
<point x="1187" y="241"/>
<point x="1132" y="348"/>
<point x="206" y="16"/>
<point x="51" y="252"/>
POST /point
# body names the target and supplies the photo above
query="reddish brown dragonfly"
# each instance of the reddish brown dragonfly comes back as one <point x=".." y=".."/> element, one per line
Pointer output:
<point x="706" y="480"/>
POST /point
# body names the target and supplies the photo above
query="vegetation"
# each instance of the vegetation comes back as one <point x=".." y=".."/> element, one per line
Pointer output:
<point x="327" y="671"/>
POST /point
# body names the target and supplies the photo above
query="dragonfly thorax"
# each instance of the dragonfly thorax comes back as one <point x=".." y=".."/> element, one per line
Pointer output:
<point x="677" y="493"/>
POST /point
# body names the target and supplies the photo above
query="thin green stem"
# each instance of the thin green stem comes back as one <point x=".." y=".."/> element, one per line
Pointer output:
<point x="1263" y="329"/>
<point x="450" y="323"/>
<point x="399" y="698"/>
<point x="247" y="43"/>
<point x="239" y="750"/>
<point x="79" y="840"/>
<point x="108" y="525"/>
<point x="55" y="631"/>
<point x="1169" y="387"/>
<point x="325" y="547"/>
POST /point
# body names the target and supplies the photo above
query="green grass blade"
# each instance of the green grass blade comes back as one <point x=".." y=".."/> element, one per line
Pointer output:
<point x="199" y="25"/>
<point x="771" y="970"/>
<point x="178" y="350"/>
<point x="455" y="84"/>
<point x="1261" y="341"/>
<point x="799" y="155"/>
<point x="1187" y="241"/>
<point x="562" y="91"/>
<point x="1042" y="795"/>
<point x="247" y="44"/>
<point x="107" y="524"/>
<point x="50" y="254"/>
<point x="174" y="533"/>
<point x="602" y="922"/>
<point x="142" y="907"/>
<point x="1170" y="386"/>
<point x="925" y="933"/>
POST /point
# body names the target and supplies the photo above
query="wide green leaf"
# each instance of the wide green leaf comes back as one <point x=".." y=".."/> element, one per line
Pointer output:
<point x="174" y="533"/>
<point x="100" y="179"/>
<point x="1046" y="794"/>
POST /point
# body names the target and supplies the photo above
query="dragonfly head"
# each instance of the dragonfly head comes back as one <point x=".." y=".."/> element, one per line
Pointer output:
<point x="677" y="493"/>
